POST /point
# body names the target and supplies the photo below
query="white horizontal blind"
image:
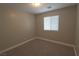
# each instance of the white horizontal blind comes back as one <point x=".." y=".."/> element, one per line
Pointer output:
<point x="51" y="23"/>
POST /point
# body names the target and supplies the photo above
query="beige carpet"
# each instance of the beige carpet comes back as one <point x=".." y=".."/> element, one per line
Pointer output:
<point x="41" y="48"/>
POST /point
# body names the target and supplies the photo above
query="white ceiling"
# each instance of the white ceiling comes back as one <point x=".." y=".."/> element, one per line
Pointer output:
<point x="45" y="7"/>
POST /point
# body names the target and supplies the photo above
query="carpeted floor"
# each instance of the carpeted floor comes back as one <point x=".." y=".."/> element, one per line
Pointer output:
<point x="41" y="48"/>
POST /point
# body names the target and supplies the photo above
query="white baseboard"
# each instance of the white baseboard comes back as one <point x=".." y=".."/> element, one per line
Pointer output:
<point x="75" y="51"/>
<point x="61" y="43"/>
<point x="57" y="42"/>
<point x="41" y="38"/>
<point x="17" y="45"/>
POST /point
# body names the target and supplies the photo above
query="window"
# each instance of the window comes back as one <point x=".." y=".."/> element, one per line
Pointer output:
<point x="51" y="23"/>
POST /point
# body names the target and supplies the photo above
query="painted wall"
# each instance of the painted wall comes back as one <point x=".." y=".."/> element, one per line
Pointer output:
<point x="67" y="21"/>
<point x="77" y="30"/>
<point x="15" y="27"/>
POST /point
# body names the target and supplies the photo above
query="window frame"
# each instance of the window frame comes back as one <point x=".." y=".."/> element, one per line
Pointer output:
<point x="58" y="24"/>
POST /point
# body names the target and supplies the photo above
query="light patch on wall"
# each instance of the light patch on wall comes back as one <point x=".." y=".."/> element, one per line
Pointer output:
<point x="12" y="15"/>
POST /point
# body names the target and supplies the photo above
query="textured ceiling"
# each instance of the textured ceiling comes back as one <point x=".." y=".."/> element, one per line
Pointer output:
<point x="28" y="7"/>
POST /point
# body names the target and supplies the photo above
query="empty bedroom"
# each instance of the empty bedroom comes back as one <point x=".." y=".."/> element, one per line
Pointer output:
<point x="39" y="29"/>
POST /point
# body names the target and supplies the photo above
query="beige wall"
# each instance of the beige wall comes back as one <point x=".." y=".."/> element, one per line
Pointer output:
<point x="77" y="31"/>
<point x="67" y="21"/>
<point x="15" y="27"/>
